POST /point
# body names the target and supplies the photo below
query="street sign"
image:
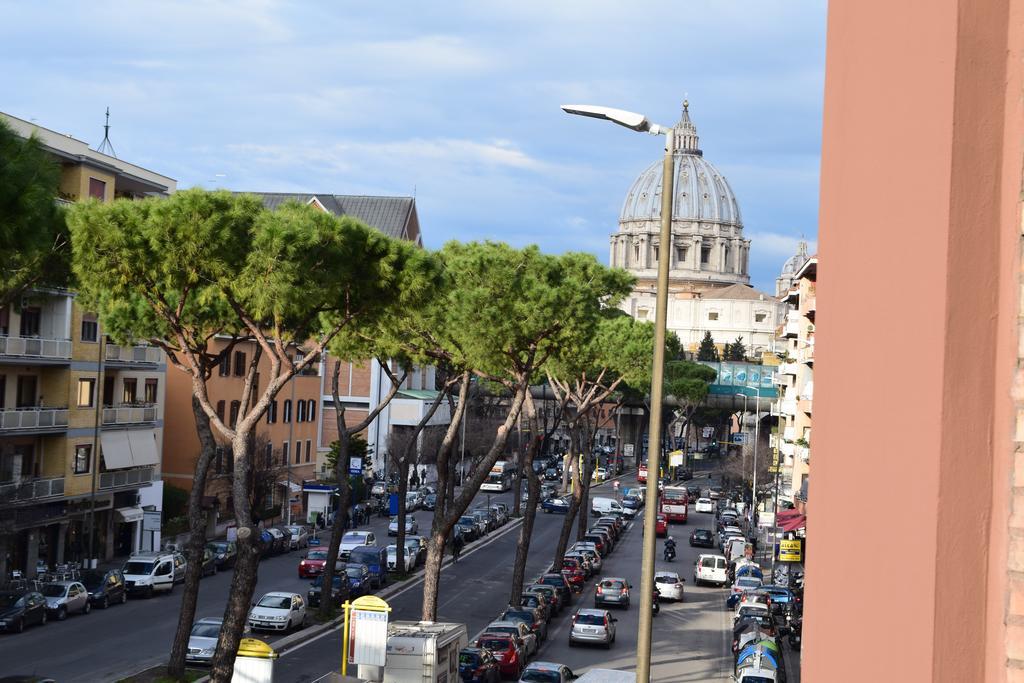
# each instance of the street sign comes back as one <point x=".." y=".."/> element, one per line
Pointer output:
<point x="676" y="459"/>
<point x="151" y="520"/>
<point x="707" y="432"/>
<point x="355" y="465"/>
<point x="774" y="469"/>
<point x="739" y="438"/>
<point x="790" y="551"/>
<point x="627" y="450"/>
<point x="366" y="631"/>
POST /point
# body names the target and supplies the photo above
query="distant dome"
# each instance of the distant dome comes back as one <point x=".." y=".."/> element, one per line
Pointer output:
<point x="701" y="192"/>
<point x="794" y="262"/>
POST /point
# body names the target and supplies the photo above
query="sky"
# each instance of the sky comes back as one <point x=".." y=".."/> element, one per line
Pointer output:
<point x="456" y="103"/>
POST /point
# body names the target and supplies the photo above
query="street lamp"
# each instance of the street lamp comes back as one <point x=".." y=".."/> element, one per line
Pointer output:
<point x="639" y="122"/>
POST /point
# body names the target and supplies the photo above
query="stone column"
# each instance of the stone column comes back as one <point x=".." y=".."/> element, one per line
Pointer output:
<point x="31" y="552"/>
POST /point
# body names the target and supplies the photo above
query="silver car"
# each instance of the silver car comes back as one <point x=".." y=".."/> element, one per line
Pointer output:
<point x="202" y="640"/>
<point x="593" y="626"/>
<point x="65" y="597"/>
<point x="299" y="536"/>
<point x="612" y="590"/>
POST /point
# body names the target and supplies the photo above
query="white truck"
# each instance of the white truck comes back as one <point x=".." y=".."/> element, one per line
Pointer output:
<point x="424" y="652"/>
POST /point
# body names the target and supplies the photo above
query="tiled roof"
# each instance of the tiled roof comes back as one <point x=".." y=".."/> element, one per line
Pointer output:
<point x="735" y="292"/>
<point x="390" y="215"/>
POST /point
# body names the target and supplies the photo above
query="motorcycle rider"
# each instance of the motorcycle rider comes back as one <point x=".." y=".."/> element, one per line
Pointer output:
<point x="670" y="549"/>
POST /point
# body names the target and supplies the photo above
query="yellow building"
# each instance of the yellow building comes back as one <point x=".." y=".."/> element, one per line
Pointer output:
<point x="81" y="418"/>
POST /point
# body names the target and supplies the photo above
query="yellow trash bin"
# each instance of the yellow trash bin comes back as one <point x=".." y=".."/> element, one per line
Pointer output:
<point x="254" y="663"/>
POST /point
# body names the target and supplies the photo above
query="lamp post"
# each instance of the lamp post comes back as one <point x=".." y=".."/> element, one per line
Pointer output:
<point x="639" y="123"/>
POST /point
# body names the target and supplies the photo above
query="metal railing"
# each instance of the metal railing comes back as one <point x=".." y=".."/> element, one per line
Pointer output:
<point x="133" y="354"/>
<point x="129" y="414"/>
<point x="33" y="418"/>
<point x="32" y="489"/>
<point x="35" y="347"/>
<point x="130" y="477"/>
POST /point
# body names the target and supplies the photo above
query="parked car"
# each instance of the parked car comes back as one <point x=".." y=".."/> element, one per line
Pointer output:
<point x="411" y="526"/>
<point x="548" y="491"/>
<point x="555" y="505"/>
<point x="536" y="601"/>
<point x="105" y="587"/>
<point x="19" y="609"/>
<point x="547" y="672"/>
<point x="277" y="611"/>
<point x="376" y="560"/>
<point x="593" y="626"/>
<point x="408" y="561"/>
<point x="669" y="585"/>
<point x="631" y="505"/>
<point x="298" y="536"/>
<point x="412" y="501"/>
<point x="471" y="530"/>
<point x="202" y="640"/>
<point x="702" y="538"/>
<point x="600" y="475"/>
<point x="429" y="501"/>
<point x="282" y="540"/>
<point x="559" y="583"/>
<point x="552" y="474"/>
<point x="531" y="644"/>
<point x="467" y="532"/>
<point x="477" y="665"/>
<point x="612" y="590"/>
<point x="208" y="565"/>
<point x="574" y="571"/>
<point x="417" y="545"/>
<point x="149" y="573"/>
<point x="583" y="560"/>
<point x="600" y="541"/>
<point x="354" y="539"/>
<point x="552" y="594"/>
<point x="507" y="650"/>
<point x="590" y="550"/>
<point x="533" y="618"/>
<point x="484" y="520"/>
<point x="224" y="553"/>
<point x="710" y="569"/>
<point x="379" y="488"/>
<point x="272" y="542"/>
<point x="357" y="576"/>
<point x="66" y="597"/>
<point x="500" y="513"/>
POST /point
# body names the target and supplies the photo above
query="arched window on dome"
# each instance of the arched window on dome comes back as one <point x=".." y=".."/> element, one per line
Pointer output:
<point x="636" y="254"/>
<point x="727" y="260"/>
<point x="655" y="247"/>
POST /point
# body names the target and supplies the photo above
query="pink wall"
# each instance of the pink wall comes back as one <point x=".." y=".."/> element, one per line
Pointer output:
<point x="918" y="238"/>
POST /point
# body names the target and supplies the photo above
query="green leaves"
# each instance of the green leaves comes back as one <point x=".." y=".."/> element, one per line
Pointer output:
<point x="687" y="382"/>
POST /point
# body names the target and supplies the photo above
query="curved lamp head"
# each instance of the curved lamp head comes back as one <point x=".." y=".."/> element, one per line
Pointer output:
<point x="629" y="119"/>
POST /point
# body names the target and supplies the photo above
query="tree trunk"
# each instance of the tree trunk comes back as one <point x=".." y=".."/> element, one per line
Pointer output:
<point x="243" y="581"/>
<point x="442" y="525"/>
<point x="533" y="490"/>
<point x="585" y="480"/>
<point x="574" y="501"/>
<point x="403" y="490"/>
<point x="196" y="542"/>
<point x="344" y="494"/>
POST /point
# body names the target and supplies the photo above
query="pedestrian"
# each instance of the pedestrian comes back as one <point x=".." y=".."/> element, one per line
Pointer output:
<point x="456" y="546"/>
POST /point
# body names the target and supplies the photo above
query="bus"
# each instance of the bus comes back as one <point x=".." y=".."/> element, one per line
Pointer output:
<point x="674" y="502"/>
<point x="500" y="477"/>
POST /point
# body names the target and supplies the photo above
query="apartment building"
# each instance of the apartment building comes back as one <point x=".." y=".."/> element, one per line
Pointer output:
<point x="795" y="378"/>
<point x="80" y="417"/>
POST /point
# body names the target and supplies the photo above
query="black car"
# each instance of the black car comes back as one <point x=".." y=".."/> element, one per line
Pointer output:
<point x="224" y="553"/>
<point x="105" y="587"/>
<point x="702" y="538"/>
<point x="477" y="665"/>
<point x="19" y="609"/>
<point x="472" y="530"/>
<point x="560" y="584"/>
<point x="316" y="589"/>
<point x="551" y="474"/>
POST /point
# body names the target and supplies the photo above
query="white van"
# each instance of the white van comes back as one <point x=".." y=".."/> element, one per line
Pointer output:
<point x="606" y="506"/>
<point x="710" y="569"/>
<point x="735" y="547"/>
<point x="149" y="573"/>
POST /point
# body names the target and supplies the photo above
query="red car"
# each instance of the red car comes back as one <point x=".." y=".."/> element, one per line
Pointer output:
<point x="661" y="525"/>
<point x="576" y="574"/>
<point x="506" y="650"/>
<point x="312" y="564"/>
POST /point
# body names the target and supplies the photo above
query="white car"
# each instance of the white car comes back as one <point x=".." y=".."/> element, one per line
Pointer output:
<point x="354" y="539"/>
<point x="411" y="526"/>
<point x="299" y="536"/>
<point x="202" y="640"/>
<point x="413" y="499"/>
<point x="278" y="612"/>
<point x="710" y="569"/>
<point x="410" y="558"/>
<point x="669" y="585"/>
<point x="704" y="505"/>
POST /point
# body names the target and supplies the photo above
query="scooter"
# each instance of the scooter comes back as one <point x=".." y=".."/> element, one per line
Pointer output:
<point x="670" y="552"/>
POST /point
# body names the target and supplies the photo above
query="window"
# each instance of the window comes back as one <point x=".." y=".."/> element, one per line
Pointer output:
<point x="97" y="189"/>
<point x="85" y="392"/>
<point x="681" y="253"/>
<point x="3" y="391"/>
<point x="287" y="417"/>
<point x="272" y="413"/>
<point x="309" y="447"/>
<point x="90" y="328"/>
<point x="705" y="254"/>
<point x="151" y="390"/>
<point x="285" y="453"/>
<point x="83" y="458"/>
<point x="225" y="365"/>
<point x="130" y="392"/>
<point x="298" y="452"/>
<point x="5" y="319"/>
<point x="30" y="318"/>
<point x="311" y="411"/>
<point x="655" y="254"/>
<point x="269" y="455"/>
<point x="221" y="405"/>
<point x="300" y="411"/>
<point x="235" y="406"/>
<point x="108" y="390"/>
<point x="712" y="315"/>
<point x="759" y="317"/>
<point x="239" y="364"/>
<point x="636" y="254"/>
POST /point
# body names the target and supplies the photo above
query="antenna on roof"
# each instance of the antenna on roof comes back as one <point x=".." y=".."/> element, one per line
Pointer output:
<point x="105" y="146"/>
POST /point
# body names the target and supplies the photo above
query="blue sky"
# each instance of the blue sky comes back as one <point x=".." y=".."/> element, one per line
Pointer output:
<point x="456" y="102"/>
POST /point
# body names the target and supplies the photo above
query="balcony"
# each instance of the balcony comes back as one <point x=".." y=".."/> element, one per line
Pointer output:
<point x="792" y="326"/>
<point x="32" y="489"/>
<point x="139" y="354"/>
<point x="28" y="349"/>
<point x="34" y="419"/>
<point x="124" y="478"/>
<point x="788" y="368"/>
<point x="129" y="414"/>
<point x="804" y="453"/>
<point x="787" y="448"/>
<point x="788" y="407"/>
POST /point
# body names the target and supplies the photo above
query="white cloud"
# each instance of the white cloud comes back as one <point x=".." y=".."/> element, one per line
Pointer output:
<point x="777" y="245"/>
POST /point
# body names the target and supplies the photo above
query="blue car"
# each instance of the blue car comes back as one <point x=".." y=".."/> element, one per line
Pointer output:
<point x="556" y="505"/>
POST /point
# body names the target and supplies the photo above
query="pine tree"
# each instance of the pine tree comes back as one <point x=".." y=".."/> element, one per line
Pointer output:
<point x="707" y="351"/>
<point x="736" y="350"/>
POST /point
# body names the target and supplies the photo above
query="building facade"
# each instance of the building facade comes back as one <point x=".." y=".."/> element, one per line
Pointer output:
<point x="80" y="417"/>
<point x="709" y="287"/>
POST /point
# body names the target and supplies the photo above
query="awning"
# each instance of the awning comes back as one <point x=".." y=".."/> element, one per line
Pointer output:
<point x="117" y="453"/>
<point x="791" y="520"/>
<point x="292" y="486"/>
<point x="129" y="515"/>
<point x="143" y="445"/>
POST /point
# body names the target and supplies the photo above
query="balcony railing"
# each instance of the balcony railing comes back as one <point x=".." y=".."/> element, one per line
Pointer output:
<point x="133" y="354"/>
<point x="804" y="453"/>
<point x="33" y="489"/>
<point x="788" y="407"/>
<point x="121" y="478"/>
<point x="133" y="414"/>
<point x="35" y="347"/>
<point x="787" y="368"/>
<point x="33" y="419"/>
